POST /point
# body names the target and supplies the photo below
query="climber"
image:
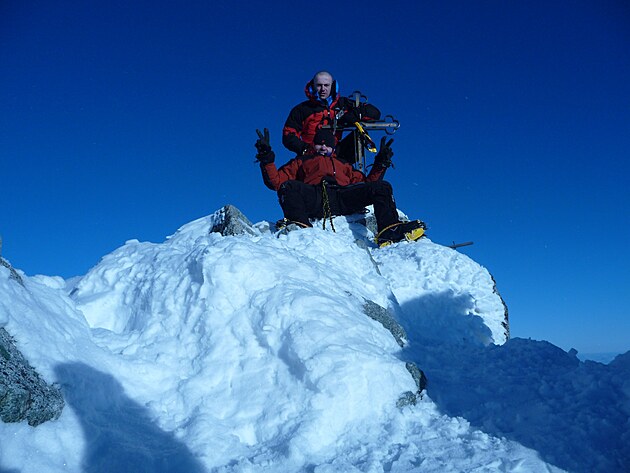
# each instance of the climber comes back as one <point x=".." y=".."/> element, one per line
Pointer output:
<point x="317" y="185"/>
<point x="324" y="104"/>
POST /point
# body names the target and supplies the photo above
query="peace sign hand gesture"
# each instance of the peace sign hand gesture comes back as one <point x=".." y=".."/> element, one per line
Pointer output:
<point x="384" y="156"/>
<point x="265" y="155"/>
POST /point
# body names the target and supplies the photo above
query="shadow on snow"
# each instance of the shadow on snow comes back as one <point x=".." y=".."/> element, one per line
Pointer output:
<point x="531" y="392"/>
<point x="119" y="433"/>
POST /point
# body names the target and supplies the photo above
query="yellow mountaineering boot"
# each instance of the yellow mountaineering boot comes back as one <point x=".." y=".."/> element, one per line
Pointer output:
<point x="399" y="231"/>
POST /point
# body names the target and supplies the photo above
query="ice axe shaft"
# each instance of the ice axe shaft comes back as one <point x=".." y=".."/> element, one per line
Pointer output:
<point x="459" y="245"/>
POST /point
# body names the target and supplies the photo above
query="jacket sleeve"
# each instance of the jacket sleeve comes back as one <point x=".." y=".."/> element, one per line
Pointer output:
<point x="274" y="177"/>
<point x="356" y="176"/>
<point x="376" y="173"/>
<point x="369" y="111"/>
<point x="292" y="131"/>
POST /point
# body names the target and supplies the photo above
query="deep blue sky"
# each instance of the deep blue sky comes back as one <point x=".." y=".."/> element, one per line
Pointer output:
<point x="125" y="120"/>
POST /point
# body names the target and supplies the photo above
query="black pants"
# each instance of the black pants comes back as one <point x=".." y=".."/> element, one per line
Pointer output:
<point x="300" y="201"/>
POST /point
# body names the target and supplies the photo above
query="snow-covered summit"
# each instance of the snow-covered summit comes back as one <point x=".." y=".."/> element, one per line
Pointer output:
<point x="254" y="352"/>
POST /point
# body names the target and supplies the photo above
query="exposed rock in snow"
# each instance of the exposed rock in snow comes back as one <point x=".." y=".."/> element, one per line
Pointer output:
<point x="14" y="274"/>
<point x="24" y="395"/>
<point x="231" y="221"/>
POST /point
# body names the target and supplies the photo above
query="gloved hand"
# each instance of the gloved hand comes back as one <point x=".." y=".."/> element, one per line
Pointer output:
<point x="265" y="154"/>
<point x="384" y="156"/>
<point x="352" y="116"/>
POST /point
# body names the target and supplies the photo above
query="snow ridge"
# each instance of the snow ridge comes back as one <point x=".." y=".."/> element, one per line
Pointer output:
<point x="253" y="352"/>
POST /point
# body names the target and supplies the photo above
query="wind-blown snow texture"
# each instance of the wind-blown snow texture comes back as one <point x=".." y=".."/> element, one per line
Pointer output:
<point x="253" y="353"/>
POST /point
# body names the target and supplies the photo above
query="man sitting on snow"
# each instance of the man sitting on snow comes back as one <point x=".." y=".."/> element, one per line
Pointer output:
<point x="318" y="185"/>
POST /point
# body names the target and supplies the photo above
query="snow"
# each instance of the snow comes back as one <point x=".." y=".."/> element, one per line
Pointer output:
<point x="253" y="353"/>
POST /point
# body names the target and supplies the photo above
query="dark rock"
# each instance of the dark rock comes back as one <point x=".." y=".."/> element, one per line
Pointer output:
<point x="13" y="273"/>
<point x="506" y="319"/>
<point x="24" y="395"/>
<point x="410" y="398"/>
<point x="418" y="376"/>
<point x="231" y="221"/>
<point x="382" y="315"/>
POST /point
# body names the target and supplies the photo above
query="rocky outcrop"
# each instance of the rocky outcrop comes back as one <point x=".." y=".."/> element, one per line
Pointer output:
<point x="385" y="318"/>
<point x="13" y="273"/>
<point x="411" y="398"/>
<point x="231" y="221"/>
<point x="382" y="315"/>
<point x="506" y="319"/>
<point x="24" y="395"/>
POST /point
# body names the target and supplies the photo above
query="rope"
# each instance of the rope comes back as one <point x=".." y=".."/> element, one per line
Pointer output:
<point x="327" y="212"/>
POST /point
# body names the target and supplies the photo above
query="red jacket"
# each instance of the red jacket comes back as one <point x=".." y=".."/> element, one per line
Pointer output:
<point x="313" y="168"/>
<point x="307" y="117"/>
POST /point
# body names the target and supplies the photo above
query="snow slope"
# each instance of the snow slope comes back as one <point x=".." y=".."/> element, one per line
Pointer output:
<point x="253" y="353"/>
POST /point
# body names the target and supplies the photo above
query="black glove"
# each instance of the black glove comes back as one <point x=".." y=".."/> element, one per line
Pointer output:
<point x="384" y="157"/>
<point x="352" y="115"/>
<point x="265" y="155"/>
<point x="349" y="118"/>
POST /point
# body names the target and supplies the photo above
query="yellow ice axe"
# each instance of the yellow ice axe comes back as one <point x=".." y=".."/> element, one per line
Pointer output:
<point x="365" y="138"/>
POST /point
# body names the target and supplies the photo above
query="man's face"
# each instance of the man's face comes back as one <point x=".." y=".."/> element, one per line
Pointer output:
<point x="323" y="84"/>
<point x="323" y="150"/>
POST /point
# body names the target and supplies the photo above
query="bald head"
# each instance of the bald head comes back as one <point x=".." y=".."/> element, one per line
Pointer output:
<point x="323" y="73"/>
<point x="322" y="84"/>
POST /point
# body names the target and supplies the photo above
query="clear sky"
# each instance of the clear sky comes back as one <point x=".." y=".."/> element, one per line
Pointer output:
<point x="125" y="120"/>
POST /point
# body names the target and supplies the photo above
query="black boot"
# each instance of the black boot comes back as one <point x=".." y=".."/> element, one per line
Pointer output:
<point x="410" y="231"/>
